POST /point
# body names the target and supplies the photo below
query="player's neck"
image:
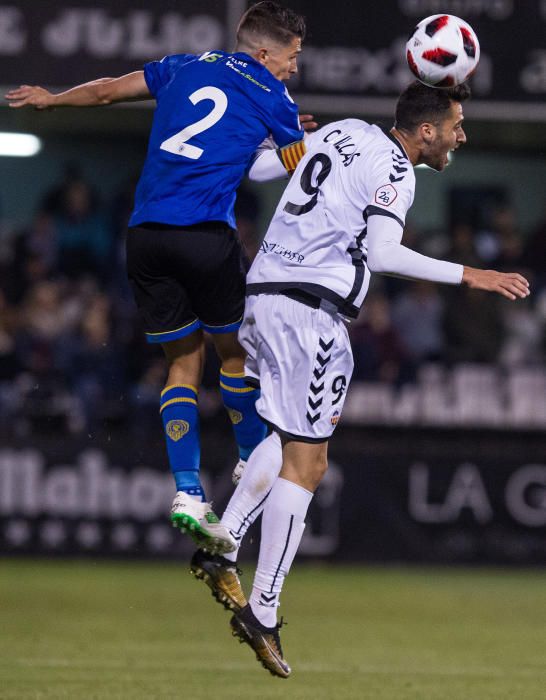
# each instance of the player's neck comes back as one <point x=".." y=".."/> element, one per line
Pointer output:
<point x="409" y="147"/>
<point x="249" y="50"/>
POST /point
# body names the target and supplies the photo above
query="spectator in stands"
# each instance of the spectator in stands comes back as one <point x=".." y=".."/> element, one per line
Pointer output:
<point x="143" y="397"/>
<point x="473" y="330"/>
<point x="42" y="325"/>
<point x="522" y="342"/>
<point x="417" y="316"/>
<point x="94" y="362"/>
<point x="84" y="235"/>
<point x="463" y="249"/>
<point x="510" y="238"/>
<point x="534" y="254"/>
<point x="9" y="361"/>
<point x="377" y="349"/>
<point x="32" y="257"/>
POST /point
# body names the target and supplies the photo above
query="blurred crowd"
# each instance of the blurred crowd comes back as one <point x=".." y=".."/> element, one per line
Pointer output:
<point x="72" y="351"/>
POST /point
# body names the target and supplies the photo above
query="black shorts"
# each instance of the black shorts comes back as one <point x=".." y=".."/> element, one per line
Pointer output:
<point x="186" y="278"/>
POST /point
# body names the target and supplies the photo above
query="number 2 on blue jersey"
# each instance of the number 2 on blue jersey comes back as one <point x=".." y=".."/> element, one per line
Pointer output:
<point x="178" y="144"/>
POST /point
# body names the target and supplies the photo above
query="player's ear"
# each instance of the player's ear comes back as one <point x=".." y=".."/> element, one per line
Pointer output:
<point x="427" y="132"/>
<point x="262" y="56"/>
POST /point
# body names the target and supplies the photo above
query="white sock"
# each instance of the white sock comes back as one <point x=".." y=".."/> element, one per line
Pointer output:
<point x="248" y="500"/>
<point x="283" y="523"/>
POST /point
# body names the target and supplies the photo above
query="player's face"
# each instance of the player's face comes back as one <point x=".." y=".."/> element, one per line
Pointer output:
<point x="448" y="137"/>
<point x="282" y="60"/>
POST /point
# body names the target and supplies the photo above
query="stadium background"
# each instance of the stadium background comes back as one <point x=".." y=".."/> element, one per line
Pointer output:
<point x="441" y="455"/>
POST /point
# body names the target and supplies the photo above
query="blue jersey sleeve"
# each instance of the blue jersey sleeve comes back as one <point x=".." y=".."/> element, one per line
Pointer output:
<point x="159" y="73"/>
<point x="285" y="126"/>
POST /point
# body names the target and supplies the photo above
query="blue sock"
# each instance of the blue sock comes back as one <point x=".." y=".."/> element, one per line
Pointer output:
<point x="240" y="402"/>
<point x="181" y="423"/>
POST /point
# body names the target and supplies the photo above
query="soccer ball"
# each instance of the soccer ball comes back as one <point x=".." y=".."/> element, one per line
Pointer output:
<point x="443" y="51"/>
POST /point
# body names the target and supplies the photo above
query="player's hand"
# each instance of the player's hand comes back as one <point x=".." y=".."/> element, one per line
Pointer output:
<point x="307" y="123"/>
<point x="510" y="284"/>
<point x="31" y="95"/>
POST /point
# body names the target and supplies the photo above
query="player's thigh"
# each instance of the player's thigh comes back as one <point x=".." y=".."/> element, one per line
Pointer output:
<point x="230" y="351"/>
<point x="218" y="291"/>
<point x="153" y="271"/>
<point x="186" y="358"/>
<point x="304" y="363"/>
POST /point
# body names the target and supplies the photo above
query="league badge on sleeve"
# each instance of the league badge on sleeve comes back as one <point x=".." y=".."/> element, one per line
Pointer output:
<point x="385" y="195"/>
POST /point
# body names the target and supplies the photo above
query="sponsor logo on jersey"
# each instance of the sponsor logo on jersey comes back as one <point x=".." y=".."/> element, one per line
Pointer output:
<point x="230" y="64"/>
<point x="235" y="416"/>
<point x="176" y="429"/>
<point x="385" y="195"/>
<point x="210" y="57"/>
<point x="278" y="249"/>
<point x="237" y="62"/>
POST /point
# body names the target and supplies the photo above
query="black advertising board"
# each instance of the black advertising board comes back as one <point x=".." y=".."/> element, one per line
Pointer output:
<point x="357" y="50"/>
<point x="353" y="59"/>
<point x="389" y="495"/>
<point x="59" y="43"/>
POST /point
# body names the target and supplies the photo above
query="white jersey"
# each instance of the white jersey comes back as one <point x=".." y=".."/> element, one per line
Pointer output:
<point x="316" y="242"/>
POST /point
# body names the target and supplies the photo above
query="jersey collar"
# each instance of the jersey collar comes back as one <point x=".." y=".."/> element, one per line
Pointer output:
<point x="393" y="139"/>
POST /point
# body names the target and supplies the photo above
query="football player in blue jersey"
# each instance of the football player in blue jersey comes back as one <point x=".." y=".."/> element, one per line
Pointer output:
<point x="185" y="264"/>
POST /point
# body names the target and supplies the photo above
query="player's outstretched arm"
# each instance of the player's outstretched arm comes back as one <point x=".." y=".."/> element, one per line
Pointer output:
<point x="388" y="256"/>
<point x="510" y="284"/>
<point x="103" y="91"/>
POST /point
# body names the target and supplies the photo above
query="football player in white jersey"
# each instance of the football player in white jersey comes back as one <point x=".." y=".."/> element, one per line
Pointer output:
<point x="340" y="218"/>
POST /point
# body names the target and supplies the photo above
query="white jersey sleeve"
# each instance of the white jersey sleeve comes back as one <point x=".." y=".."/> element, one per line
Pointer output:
<point x="387" y="255"/>
<point x="389" y="182"/>
<point x="266" y="164"/>
<point x="271" y="163"/>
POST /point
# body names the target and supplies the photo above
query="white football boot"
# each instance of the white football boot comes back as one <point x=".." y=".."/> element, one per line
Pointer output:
<point x="199" y="521"/>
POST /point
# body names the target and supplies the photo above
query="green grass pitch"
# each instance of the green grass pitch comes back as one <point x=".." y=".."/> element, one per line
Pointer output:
<point x="91" y="630"/>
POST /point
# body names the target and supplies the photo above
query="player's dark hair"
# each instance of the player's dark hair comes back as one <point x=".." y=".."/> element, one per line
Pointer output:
<point x="271" y="20"/>
<point x="420" y="103"/>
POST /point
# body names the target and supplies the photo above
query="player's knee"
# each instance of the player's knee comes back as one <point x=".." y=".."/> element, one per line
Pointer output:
<point x="230" y="351"/>
<point x="313" y="474"/>
<point x="320" y="469"/>
<point x="185" y="362"/>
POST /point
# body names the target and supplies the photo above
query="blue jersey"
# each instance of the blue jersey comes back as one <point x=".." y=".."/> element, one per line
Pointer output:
<point x="213" y="111"/>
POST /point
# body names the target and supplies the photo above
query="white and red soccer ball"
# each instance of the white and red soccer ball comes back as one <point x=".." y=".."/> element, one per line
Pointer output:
<point x="443" y="51"/>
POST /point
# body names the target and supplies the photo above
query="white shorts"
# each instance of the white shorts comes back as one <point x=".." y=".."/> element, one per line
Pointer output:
<point x="303" y="361"/>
